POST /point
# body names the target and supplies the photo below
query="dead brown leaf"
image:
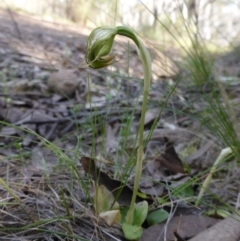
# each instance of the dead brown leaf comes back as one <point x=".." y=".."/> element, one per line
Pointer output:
<point x="121" y="192"/>
<point x="111" y="142"/>
<point x="225" y="230"/>
<point x="199" y="152"/>
<point x="166" y="167"/>
<point x="11" y="114"/>
<point x="170" y="159"/>
<point x="150" y="116"/>
<point x="189" y="226"/>
<point x="43" y="159"/>
<point x="151" y="189"/>
<point x="8" y="131"/>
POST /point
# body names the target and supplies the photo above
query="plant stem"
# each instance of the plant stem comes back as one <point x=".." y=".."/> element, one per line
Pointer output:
<point x="99" y="46"/>
<point x="224" y="153"/>
<point x="146" y="61"/>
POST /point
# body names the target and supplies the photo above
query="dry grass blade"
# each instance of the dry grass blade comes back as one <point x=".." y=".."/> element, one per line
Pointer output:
<point x="54" y="216"/>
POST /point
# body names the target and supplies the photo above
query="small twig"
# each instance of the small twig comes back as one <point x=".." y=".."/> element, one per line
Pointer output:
<point x="26" y="93"/>
<point x="68" y="127"/>
<point x="52" y="130"/>
<point x="41" y="122"/>
<point x="179" y="238"/>
<point x="108" y="234"/>
<point x="171" y="213"/>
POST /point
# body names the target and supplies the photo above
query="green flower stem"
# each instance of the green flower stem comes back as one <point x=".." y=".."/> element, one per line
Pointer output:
<point x="128" y="33"/>
<point x="224" y="153"/>
<point x="146" y="61"/>
<point x="99" y="45"/>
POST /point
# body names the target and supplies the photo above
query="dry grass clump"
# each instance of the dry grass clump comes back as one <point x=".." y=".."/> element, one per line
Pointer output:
<point x="36" y="206"/>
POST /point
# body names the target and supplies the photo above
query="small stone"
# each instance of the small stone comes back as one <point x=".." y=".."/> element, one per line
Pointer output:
<point x="63" y="82"/>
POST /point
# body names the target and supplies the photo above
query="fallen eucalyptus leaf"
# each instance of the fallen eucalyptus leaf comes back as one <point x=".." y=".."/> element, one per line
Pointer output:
<point x="121" y="192"/>
<point x="111" y="217"/>
<point x="170" y="159"/>
<point x="225" y="230"/>
<point x="188" y="226"/>
<point x="104" y="199"/>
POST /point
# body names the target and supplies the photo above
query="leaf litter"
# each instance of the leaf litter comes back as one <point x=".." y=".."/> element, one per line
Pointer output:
<point x="43" y="91"/>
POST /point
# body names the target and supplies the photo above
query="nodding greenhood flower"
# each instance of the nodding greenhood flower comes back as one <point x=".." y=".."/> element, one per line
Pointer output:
<point x="99" y="45"/>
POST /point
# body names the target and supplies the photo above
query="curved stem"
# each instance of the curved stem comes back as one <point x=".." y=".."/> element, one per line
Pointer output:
<point x="146" y="61"/>
<point x="99" y="46"/>
<point x="124" y="31"/>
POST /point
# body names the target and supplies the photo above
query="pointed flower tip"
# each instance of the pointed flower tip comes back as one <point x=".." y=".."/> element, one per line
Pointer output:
<point x="102" y="62"/>
<point x="99" y="45"/>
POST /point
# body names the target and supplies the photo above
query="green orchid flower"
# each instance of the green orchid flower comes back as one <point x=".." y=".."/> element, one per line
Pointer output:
<point x="99" y="45"/>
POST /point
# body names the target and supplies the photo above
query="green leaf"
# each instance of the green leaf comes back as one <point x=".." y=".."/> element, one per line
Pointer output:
<point x="188" y="191"/>
<point x="132" y="232"/>
<point x="217" y="212"/>
<point x="143" y="195"/>
<point x="157" y="216"/>
<point x="223" y="213"/>
<point x="186" y="168"/>
<point x="210" y="212"/>
<point x="124" y="211"/>
<point x="184" y="190"/>
<point x="140" y="213"/>
<point x="162" y="200"/>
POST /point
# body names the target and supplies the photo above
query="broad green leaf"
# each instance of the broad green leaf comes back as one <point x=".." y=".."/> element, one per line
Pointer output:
<point x="140" y="213"/>
<point x="157" y="216"/>
<point x="132" y="232"/>
<point x="124" y="211"/>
